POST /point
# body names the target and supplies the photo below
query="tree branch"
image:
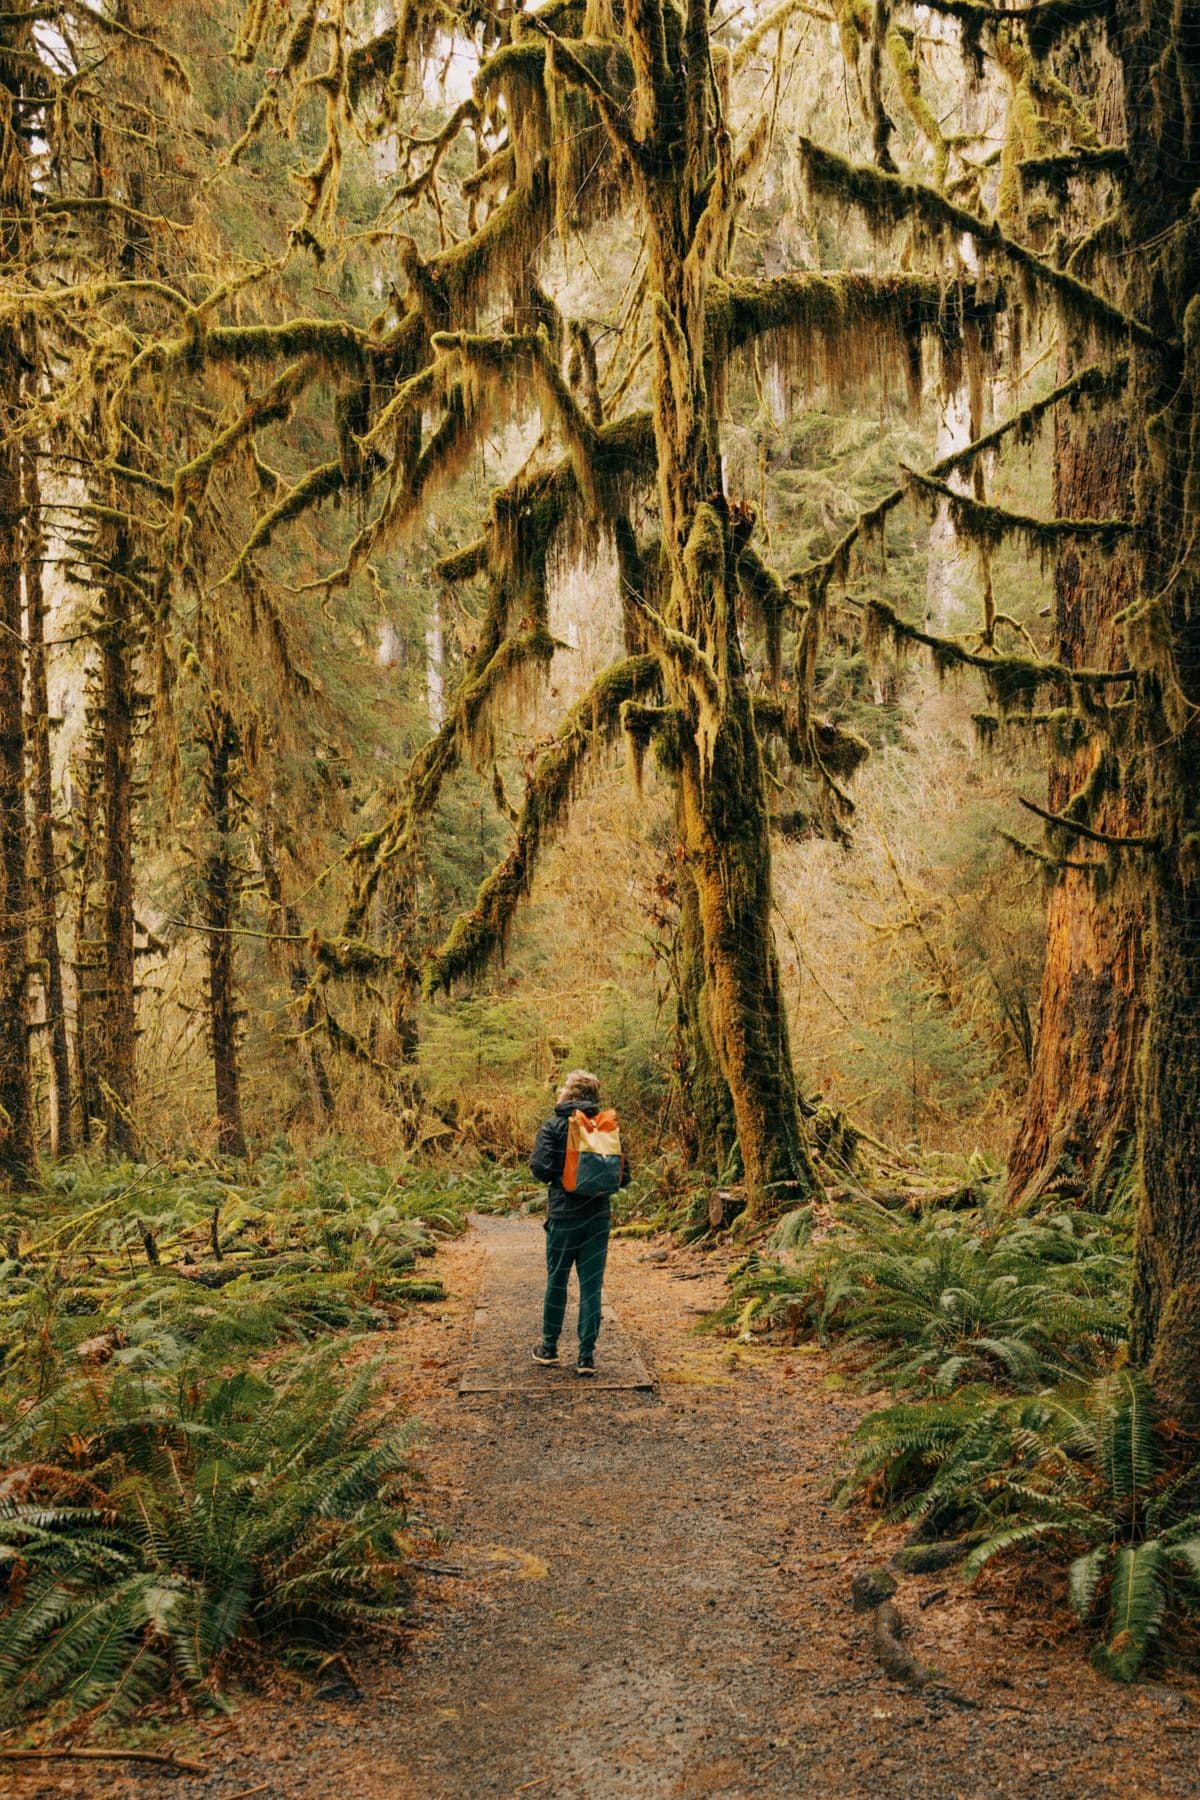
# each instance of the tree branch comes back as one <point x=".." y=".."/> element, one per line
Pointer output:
<point x="895" y="199"/>
<point x="1061" y="821"/>
<point x="477" y="937"/>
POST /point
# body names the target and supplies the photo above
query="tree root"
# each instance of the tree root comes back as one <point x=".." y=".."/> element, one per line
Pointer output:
<point x="893" y="1655"/>
<point x="871" y="1592"/>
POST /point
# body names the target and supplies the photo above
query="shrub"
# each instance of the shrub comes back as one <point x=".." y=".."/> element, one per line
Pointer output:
<point x="1084" y="1471"/>
<point x="939" y="1299"/>
<point x="153" y="1525"/>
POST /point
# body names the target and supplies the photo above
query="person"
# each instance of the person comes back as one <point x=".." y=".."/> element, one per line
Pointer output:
<point x="577" y="1227"/>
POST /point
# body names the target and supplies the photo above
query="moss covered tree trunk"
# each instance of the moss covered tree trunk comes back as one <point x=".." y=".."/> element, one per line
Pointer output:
<point x="1158" y="50"/>
<point x="683" y="164"/>
<point x="708" y="1125"/>
<point x="1079" y="1110"/>
<point x="290" y="958"/>
<point x="219" y="901"/>
<point x="1078" y="1119"/>
<point x="117" y="1074"/>
<point x="42" y="794"/>
<point x="16" y="1120"/>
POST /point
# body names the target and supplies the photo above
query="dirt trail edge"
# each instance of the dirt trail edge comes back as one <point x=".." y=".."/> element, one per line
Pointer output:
<point x="648" y="1598"/>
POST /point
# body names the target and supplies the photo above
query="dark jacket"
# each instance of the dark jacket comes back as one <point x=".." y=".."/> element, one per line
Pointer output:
<point x="549" y="1156"/>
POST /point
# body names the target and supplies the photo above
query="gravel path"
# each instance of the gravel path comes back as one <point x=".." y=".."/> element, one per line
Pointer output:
<point x="508" y="1316"/>
<point x="647" y="1598"/>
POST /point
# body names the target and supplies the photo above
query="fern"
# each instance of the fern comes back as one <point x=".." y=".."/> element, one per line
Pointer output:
<point x="1138" y="1600"/>
<point x="931" y="1302"/>
<point x="232" y="1506"/>
<point x="1076" y="1471"/>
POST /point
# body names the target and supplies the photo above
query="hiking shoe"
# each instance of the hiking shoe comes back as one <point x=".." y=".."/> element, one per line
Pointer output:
<point x="586" y="1364"/>
<point x="546" y="1353"/>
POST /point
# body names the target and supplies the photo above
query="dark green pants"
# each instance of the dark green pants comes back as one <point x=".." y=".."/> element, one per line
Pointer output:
<point x="582" y="1245"/>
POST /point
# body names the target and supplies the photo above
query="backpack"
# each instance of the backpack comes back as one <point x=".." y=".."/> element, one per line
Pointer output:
<point x="595" y="1161"/>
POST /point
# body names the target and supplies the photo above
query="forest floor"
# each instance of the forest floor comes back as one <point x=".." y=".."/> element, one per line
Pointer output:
<point x="647" y="1597"/>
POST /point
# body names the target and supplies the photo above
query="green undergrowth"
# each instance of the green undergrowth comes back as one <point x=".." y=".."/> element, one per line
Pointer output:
<point x="1015" y="1429"/>
<point x="663" y="1195"/>
<point x="197" y="1459"/>
<point x="926" y="1302"/>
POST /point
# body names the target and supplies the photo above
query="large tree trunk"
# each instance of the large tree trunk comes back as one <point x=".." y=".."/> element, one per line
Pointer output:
<point x="118" y="1036"/>
<point x="1079" y="1110"/>
<point x="725" y="835"/>
<point x="16" y="1120"/>
<point x="1157" y="46"/>
<point x="219" y="901"/>
<point x="42" y="793"/>
<point x="89" y="940"/>
<point x="288" y="956"/>
<point x="709" y="1128"/>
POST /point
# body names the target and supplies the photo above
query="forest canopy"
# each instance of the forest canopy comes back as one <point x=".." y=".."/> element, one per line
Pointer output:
<point x="612" y="531"/>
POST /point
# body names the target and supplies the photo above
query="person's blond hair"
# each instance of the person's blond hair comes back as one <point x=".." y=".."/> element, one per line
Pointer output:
<point x="580" y="1085"/>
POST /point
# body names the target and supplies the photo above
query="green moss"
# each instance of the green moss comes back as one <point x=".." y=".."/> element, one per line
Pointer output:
<point x="888" y="201"/>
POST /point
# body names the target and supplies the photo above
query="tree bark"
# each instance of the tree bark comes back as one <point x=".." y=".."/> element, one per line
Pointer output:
<point x="1079" y="1109"/>
<point x="89" y="940"/>
<point x="1157" y="47"/>
<point x="42" y="794"/>
<point x="16" y="1116"/>
<point x="709" y="1128"/>
<point x="118" y="1033"/>
<point x="289" y="958"/>
<point x="725" y="828"/>
<point x="221" y="888"/>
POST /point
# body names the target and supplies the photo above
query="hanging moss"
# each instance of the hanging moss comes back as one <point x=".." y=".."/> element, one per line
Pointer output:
<point x="765" y="591"/>
<point x="478" y="937"/>
<point x="658" y="728"/>
<point x="1013" y="682"/>
<point x="841" y="328"/>
<point x="1096" y="383"/>
<point x="899" y="42"/>
<point x="1055" y="172"/>
<point x="988" y="525"/>
<point x="348" y="956"/>
<point x="1069" y="729"/>
<point x="889" y="200"/>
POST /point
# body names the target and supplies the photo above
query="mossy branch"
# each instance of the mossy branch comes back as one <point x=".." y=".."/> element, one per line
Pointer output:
<point x="326" y="479"/>
<point x="893" y="199"/>
<point x="497" y="661"/>
<point x="479" y="936"/>
<point x="1054" y="171"/>
<point x="1013" y="681"/>
<point x="464" y="564"/>
<point x="1098" y="381"/>
<point x="1061" y="822"/>
<point x="1051" y="866"/>
<point x="528" y="354"/>
<point x="682" y="651"/>
<point x="989" y="525"/>
<point x="821" y="746"/>
<point x="563" y="62"/>
<point x="270" y="407"/>
<point x="839" y="301"/>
